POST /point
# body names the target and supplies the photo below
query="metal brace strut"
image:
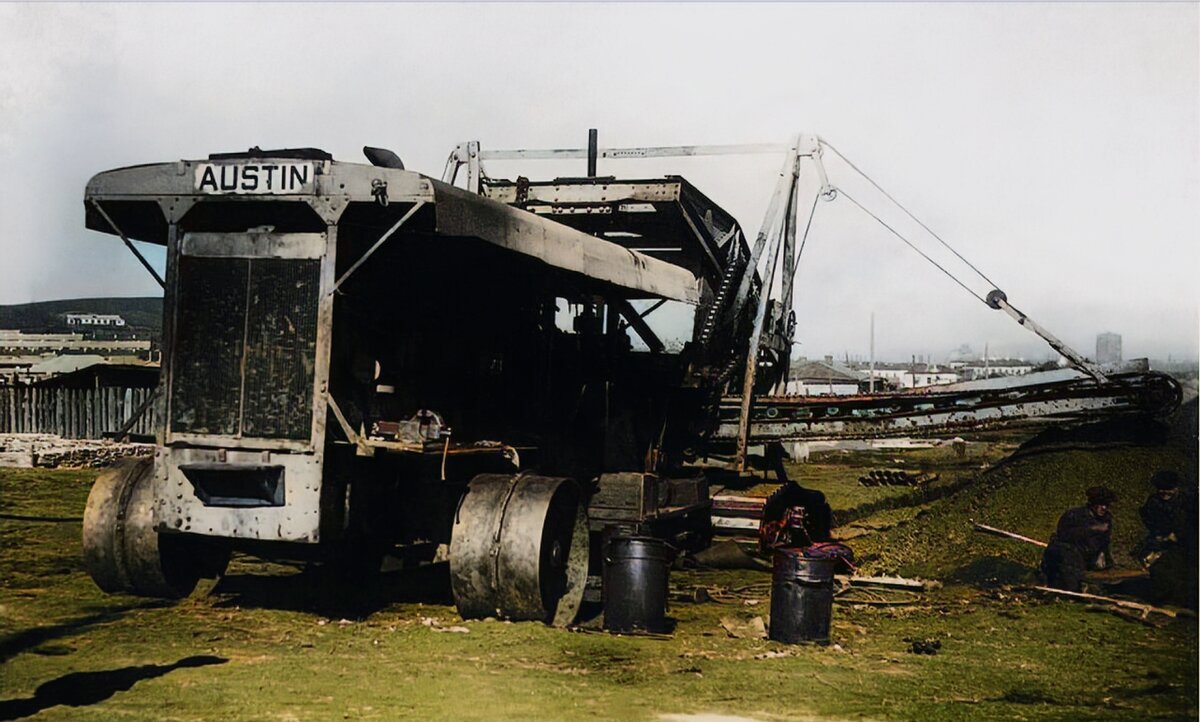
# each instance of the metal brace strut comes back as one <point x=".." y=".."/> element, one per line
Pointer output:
<point x="128" y="243"/>
<point x="388" y="234"/>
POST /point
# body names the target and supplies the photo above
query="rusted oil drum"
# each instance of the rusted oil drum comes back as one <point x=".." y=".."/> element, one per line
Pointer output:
<point x="636" y="571"/>
<point x="801" y="598"/>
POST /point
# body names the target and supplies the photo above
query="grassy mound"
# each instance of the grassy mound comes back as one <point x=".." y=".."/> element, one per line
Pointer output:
<point x="1025" y="494"/>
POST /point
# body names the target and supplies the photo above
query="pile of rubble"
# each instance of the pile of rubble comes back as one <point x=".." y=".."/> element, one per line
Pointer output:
<point x="26" y="451"/>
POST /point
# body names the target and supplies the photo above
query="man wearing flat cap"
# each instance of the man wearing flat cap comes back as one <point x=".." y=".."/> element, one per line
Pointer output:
<point x="1081" y="541"/>
<point x="1170" y="546"/>
<point x="1164" y="516"/>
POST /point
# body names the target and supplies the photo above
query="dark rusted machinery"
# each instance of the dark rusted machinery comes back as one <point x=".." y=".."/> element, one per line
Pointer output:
<point x="360" y="358"/>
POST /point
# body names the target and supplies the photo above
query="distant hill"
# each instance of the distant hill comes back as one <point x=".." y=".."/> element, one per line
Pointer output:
<point x="143" y="313"/>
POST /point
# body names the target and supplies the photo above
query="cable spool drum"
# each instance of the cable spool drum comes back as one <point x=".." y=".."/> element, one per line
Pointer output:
<point x="636" y="571"/>
<point x="801" y="598"/>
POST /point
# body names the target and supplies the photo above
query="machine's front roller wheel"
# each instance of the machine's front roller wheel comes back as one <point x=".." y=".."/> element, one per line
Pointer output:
<point x="121" y="550"/>
<point x="519" y="549"/>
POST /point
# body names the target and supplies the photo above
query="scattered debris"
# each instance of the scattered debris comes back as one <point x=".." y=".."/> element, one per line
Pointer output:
<point x="1006" y="534"/>
<point x="455" y="629"/>
<point x="739" y="595"/>
<point x="754" y="628"/>
<point x="435" y="624"/>
<point x="51" y="452"/>
<point x="890" y="582"/>
<point x="690" y="595"/>
<point x="1126" y="615"/>
<point x="881" y="597"/>
<point x="923" y="646"/>
<point x="1145" y="609"/>
<point x="868" y="591"/>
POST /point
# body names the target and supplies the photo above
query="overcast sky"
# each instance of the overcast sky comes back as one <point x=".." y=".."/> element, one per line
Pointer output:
<point x="1055" y="146"/>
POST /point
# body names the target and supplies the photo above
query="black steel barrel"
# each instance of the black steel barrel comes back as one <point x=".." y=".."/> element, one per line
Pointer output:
<point x="801" y="598"/>
<point x="636" y="570"/>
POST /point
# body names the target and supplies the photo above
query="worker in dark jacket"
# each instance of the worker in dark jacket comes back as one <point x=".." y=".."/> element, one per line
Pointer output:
<point x="792" y="516"/>
<point x="1081" y="541"/>
<point x="1163" y="515"/>
<point x="1170" y="548"/>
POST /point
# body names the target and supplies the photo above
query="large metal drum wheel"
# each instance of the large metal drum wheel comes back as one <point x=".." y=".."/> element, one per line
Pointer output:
<point x="121" y="550"/>
<point x="519" y="549"/>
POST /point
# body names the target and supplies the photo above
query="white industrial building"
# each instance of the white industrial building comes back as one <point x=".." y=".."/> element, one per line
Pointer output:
<point x="94" y="319"/>
<point x="995" y="367"/>
<point x="1108" y="349"/>
<point x="912" y="376"/>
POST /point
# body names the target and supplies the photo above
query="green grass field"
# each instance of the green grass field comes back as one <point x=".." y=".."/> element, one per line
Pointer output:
<point x="270" y="643"/>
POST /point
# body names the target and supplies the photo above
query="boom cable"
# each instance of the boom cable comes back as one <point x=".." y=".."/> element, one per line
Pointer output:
<point x="804" y="239"/>
<point x="897" y="234"/>
<point x="909" y="213"/>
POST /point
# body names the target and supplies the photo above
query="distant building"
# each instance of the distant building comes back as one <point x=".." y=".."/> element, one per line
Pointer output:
<point x="915" y="375"/>
<point x="17" y="342"/>
<point x="94" y="319"/>
<point x="996" y="367"/>
<point x="824" y="378"/>
<point x="64" y="364"/>
<point x="129" y="373"/>
<point x="1108" y="348"/>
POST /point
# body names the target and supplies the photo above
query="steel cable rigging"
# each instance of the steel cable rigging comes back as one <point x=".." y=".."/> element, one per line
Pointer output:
<point x="911" y="245"/>
<point x="995" y="299"/>
<point x="918" y="221"/>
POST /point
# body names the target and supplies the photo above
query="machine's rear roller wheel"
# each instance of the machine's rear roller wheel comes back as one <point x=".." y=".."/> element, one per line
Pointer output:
<point x="519" y="549"/>
<point x="121" y="550"/>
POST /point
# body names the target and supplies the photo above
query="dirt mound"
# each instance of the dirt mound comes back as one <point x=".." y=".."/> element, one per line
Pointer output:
<point x="1026" y="493"/>
<point x="1130" y="430"/>
<point x="1185" y="425"/>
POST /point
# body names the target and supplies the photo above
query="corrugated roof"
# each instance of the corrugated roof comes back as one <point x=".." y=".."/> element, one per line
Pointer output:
<point x="66" y="363"/>
<point x="823" y="371"/>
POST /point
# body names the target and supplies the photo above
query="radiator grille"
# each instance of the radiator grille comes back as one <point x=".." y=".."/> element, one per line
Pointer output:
<point x="209" y="336"/>
<point x="281" y="342"/>
<point x="245" y="347"/>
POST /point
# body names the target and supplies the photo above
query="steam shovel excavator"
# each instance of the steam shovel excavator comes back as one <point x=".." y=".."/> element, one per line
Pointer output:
<point x="359" y="360"/>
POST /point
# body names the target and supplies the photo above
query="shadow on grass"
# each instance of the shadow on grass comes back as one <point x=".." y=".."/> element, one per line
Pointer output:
<point x="915" y="497"/>
<point x="324" y="592"/>
<point x="80" y="689"/>
<point x="1028" y="694"/>
<point x="14" y="644"/>
<point x="993" y="571"/>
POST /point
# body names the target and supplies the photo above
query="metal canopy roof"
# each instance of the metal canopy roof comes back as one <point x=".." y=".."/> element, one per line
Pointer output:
<point x="666" y="218"/>
<point x="143" y="200"/>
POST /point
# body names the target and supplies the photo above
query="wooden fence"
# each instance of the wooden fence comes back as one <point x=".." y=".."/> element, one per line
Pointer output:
<point x="73" y="413"/>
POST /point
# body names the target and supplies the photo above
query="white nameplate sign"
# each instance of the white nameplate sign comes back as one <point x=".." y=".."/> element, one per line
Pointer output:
<point x="255" y="177"/>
